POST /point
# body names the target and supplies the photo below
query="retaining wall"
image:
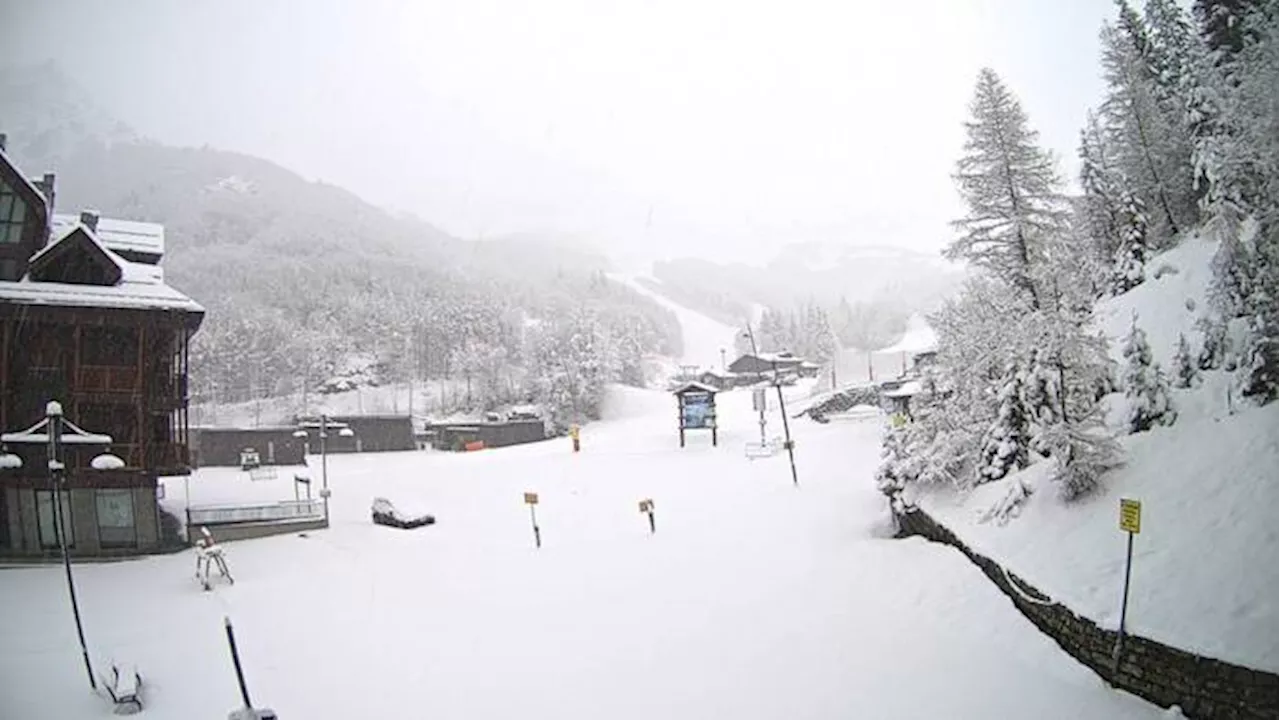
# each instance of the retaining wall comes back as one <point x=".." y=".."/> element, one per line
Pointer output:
<point x="1203" y="687"/>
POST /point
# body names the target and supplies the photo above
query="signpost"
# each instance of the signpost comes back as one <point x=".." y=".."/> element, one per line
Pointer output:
<point x="531" y="499"/>
<point x="696" y="404"/>
<point x="646" y="507"/>
<point x="1130" y="523"/>
<point x="575" y="434"/>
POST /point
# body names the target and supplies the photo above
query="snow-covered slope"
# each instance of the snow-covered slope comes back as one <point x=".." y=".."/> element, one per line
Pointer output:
<point x="703" y="337"/>
<point x="1205" y="564"/>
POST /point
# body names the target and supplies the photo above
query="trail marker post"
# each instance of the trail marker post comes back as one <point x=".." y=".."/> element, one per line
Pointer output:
<point x="531" y="499"/>
<point x="646" y="507"/>
<point x="1131" y="524"/>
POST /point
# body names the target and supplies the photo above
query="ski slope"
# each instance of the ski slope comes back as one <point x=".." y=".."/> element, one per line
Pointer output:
<point x="703" y="337"/>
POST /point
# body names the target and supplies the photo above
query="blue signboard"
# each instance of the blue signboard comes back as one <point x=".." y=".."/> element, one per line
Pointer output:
<point x="697" y="410"/>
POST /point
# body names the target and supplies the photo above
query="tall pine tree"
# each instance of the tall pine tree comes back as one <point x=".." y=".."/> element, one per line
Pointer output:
<point x="1011" y="189"/>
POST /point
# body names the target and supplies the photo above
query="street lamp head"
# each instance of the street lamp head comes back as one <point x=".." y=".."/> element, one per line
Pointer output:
<point x="106" y="461"/>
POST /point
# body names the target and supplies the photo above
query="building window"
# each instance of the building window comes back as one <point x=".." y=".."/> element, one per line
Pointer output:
<point x="115" y="519"/>
<point x="44" y="519"/>
<point x="13" y="213"/>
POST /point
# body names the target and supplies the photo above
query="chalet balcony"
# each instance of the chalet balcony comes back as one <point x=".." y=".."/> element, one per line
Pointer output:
<point x="108" y="380"/>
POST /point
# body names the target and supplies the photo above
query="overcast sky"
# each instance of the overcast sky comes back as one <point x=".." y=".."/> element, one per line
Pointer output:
<point x="651" y="128"/>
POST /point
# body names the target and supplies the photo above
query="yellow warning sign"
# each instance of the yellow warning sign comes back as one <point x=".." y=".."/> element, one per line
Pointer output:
<point x="1130" y="516"/>
<point x="531" y="498"/>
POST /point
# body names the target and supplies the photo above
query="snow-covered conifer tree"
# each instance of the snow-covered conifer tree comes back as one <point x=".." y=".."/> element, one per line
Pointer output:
<point x="1004" y="447"/>
<point x="1146" y="389"/>
<point x="1010" y="186"/>
<point x="1131" y="257"/>
<point x="1186" y="374"/>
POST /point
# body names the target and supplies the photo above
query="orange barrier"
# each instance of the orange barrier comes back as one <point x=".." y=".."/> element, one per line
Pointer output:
<point x="473" y="446"/>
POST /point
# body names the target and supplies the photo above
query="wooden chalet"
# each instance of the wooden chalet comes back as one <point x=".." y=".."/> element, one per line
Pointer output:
<point x="86" y="319"/>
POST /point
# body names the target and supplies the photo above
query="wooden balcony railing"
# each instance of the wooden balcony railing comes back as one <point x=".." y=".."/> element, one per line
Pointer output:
<point x="107" y="379"/>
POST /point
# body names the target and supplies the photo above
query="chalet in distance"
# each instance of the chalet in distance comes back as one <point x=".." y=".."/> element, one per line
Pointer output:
<point x="86" y="319"/>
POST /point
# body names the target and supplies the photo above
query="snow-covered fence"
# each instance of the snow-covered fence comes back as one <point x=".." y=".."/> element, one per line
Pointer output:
<point x="285" y="510"/>
<point x="1202" y="687"/>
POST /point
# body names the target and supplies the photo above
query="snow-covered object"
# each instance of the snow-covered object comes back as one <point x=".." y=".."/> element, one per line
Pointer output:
<point x="9" y="461"/>
<point x="53" y="408"/>
<point x="1146" y="389"/>
<point x="1185" y="372"/>
<point x="106" y="462"/>
<point x="1004" y="448"/>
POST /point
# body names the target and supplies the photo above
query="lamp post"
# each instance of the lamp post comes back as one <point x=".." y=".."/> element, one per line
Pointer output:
<point x="344" y="430"/>
<point x="53" y="432"/>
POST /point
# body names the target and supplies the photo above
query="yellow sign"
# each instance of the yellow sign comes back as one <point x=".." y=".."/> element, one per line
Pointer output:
<point x="1130" y="516"/>
<point x="574" y="431"/>
<point x="531" y="498"/>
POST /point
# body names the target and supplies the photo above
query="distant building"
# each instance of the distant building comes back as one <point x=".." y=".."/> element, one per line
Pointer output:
<point x="719" y="379"/>
<point x="370" y="433"/>
<point x="221" y="447"/>
<point x="86" y="319"/>
<point x="749" y="364"/>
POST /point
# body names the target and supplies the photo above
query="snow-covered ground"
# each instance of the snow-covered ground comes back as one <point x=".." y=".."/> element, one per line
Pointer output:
<point x="1205" y="568"/>
<point x="755" y="599"/>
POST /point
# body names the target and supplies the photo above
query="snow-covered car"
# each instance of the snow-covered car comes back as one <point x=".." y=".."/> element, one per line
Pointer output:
<point x="385" y="513"/>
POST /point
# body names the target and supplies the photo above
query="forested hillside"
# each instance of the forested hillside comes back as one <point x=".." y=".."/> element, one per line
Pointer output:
<point x="303" y="280"/>
<point x="1182" y="149"/>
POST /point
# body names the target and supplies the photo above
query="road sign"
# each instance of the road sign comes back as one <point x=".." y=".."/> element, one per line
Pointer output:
<point x="1131" y="516"/>
<point x="646" y="506"/>
<point x="530" y="498"/>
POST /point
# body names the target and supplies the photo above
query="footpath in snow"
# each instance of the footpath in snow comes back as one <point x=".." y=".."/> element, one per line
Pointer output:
<point x="1205" y="567"/>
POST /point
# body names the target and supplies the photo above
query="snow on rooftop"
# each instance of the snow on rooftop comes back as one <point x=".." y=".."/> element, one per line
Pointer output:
<point x="126" y="295"/>
<point x="141" y="285"/>
<point x="118" y="235"/>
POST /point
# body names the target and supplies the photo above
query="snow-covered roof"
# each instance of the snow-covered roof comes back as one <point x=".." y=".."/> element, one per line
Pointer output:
<point x="119" y="235"/>
<point x="907" y="389"/>
<point x="127" y="295"/>
<point x="693" y="385"/>
<point x="141" y="285"/>
<point x="918" y="339"/>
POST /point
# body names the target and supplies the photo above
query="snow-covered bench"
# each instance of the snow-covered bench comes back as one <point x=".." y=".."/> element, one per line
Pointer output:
<point x="123" y="684"/>
<point x="384" y="513"/>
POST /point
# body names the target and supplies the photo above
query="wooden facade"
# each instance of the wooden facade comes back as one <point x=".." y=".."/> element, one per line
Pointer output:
<point x="106" y="338"/>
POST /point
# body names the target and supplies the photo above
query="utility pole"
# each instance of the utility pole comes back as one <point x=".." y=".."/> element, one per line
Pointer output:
<point x="782" y="405"/>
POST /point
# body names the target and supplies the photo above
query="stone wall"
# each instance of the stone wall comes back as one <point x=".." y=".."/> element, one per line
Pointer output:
<point x="1201" y="686"/>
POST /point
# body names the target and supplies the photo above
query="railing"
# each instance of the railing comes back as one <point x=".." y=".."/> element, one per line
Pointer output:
<point x="107" y="378"/>
<point x="285" y="510"/>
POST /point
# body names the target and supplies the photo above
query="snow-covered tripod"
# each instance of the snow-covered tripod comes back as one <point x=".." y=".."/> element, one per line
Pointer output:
<point x="209" y="553"/>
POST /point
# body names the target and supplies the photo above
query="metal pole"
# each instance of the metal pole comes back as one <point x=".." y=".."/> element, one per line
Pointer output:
<point x="1124" y="601"/>
<point x="324" y="465"/>
<point x="786" y="430"/>
<point x="235" y="658"/>
<point x="54" y="429"/>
